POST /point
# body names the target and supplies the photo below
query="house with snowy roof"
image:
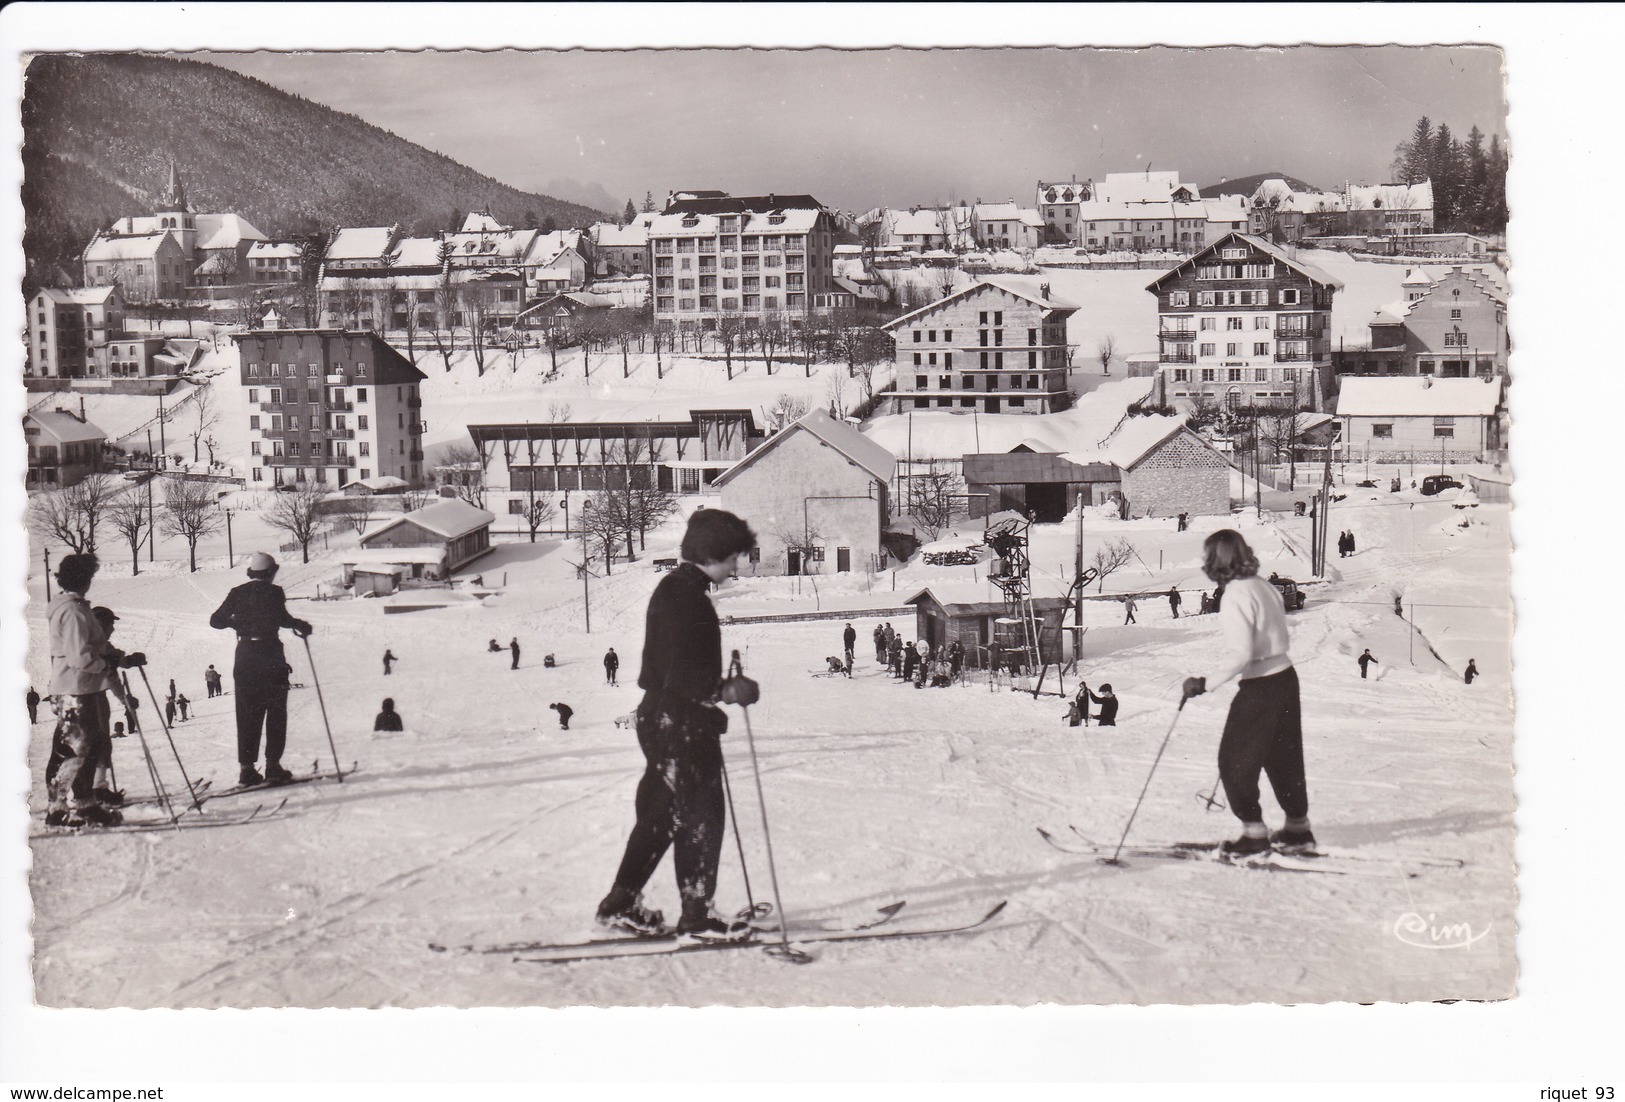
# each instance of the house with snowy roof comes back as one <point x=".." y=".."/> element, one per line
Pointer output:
<point x="66" y="327"/>
<point x="1390" y="209"/>
<point x="1244" y="321"/>
<point x="1277" y="211"/>
<point x="269" y="262"/>
<point x="372" y="276"/>
<point x="917" y="229"/>
<point x="1396" y="419"/>
<point x="1451" y="327"/>
<point x="817" y="493"/>
<point x="458" y="531"/>
<point x="1007" y="226"/>
<point x="147" y="267"/>
<point x="556" y="262"/>
<point x="997" y="346"/>
<point x="622" y="250"/>
<point x="63" y="448"/>
<point x="566" y="311"/>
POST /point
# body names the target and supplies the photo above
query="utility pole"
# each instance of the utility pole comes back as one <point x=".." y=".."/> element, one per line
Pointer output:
<point x="586" y="593"/>
<point x="229" y="555"/>
<point x="152" y="517"/>
<point x="1077" y="605"/>
<point x="161" y="444"/>
<point x="47" y="551"/>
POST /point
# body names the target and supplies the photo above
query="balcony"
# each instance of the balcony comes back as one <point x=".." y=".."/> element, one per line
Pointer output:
<point x="415" y="455"/>
<point x="339" y="434"/>
<point x="341" y="404"/>
<point x="336" y="380"/>
<point x="1177" y="334"/>
<point x="414" y="403"/>
<point x="1301" y="356"/>
<point x="1178" y="357"/>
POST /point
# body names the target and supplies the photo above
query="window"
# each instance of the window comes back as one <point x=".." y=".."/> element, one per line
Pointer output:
<point x="276" y="371"/>
<point x="365" y="448"/>
<point x="1262" y="321"/>
<point x="1232" y="323"/>
<point x="917" y="359"/>
<point x="1032" y="336"/>
<point x="919" y="382"/>
<point x="1206" y="298"/>
<point x="947" y="334"/>
<point x="998" y="336"/>
<point x="1457" y="339"/>
<point x="984" y="359"/>
<point x="981" y="318"/>
<point x="1207" y="374"/>
<point x="1444" y="428"/>
<point x="931" y="359"/>
<point x="254" y="422"/>
<point x="918" y="336"/>
<point x="933" y="335"/>
<point x="947" y="359"/>
<point x="1233" y="375"/>
<point x="1289" y="297"/>
<point x="253" y="396"/>
<point x="1208" y="323"/>
<point x="998" y="359"/>
<point x="1261" y="374"/>
<point x="276" y="396"/>
<point x="1261" y="348"/>
<point x="945" y="382"/>
<point x="1455" y="315"/>
<point x="253" y="447"/>
<point x="293" y="447"/>
<point x="1207" y="349"/>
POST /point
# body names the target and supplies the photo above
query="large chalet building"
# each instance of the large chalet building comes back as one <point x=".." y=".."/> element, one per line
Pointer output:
<point x="750" y="257"/>
<point x="1242" y="321"/>
<point x="329" y="406"/>
<point x="998" y="346"/>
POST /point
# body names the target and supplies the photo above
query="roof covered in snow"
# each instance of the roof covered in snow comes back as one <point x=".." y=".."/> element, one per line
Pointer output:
<point x="63" y="426"/>
<point x="224" y="231"/>
<point x="790" y="220"/>
<point x="1269" y="248"/>
<point x="914" y="223"/>
<point x="479" y="221"/>
<point x="360" y="243"/>
<point x="837" y="434"/>
<point x="1418" y="396"/>
<point x="449" y="518"/>
<point x="78" y="296"/>
<point x="610" y="236"/>
<point x="417" y="252"/>
<point x="1390" y="196"/>
<point x="140" y="246"/>
<point x="274" y="249"/>
<point x="1026" y="287"/>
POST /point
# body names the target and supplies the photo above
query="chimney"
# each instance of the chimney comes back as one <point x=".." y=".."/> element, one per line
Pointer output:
<point x="82" y="420"/>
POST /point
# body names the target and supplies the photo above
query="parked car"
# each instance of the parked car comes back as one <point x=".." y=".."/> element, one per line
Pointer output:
<point x="1437" y="483"/>
<point x="1291" y="595"/>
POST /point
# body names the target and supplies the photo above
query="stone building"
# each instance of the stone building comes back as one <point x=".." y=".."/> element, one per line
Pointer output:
<point x="1452" y="328"/>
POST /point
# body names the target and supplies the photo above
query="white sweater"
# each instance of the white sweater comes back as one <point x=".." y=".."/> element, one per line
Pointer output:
<point x="1252" y="622"/>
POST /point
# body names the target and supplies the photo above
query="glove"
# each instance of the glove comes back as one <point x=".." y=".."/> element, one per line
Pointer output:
<point x="302" y="629"/>
<point x="1194" y="686"/>
<point x="132" y="660"/>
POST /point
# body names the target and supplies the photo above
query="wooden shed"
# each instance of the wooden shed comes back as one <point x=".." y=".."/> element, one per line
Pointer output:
<point x="1035" y="483"/>
<point x="461" y="530"/>
<point x="987" y="629"/>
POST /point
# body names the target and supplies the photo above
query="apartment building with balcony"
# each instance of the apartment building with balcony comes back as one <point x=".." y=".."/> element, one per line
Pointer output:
<point x="329" y="406"/>
<point x="998" y="346"/>
<point x="67" y="327"/>
<point x="751" y="257"/>
<point x="1242" y="321"/>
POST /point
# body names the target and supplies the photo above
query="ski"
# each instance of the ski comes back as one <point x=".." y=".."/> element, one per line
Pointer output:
<point x="643" y="947"/>
<point x="1338" y="854"/>
<point x="182" y="822"/>
<point x="1269" y="861"/>
<point x="316" y="774"/>
<point x="200" y="789"/>
<point x="887" y="913"/>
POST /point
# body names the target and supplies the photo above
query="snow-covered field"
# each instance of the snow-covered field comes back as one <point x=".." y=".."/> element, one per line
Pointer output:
<point x="484" y="822"/>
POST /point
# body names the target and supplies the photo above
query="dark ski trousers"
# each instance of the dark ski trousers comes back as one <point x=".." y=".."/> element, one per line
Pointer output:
<point x="76" y="747"/>
<point x="1264" y="731"/>
<point x="262" y="701"/>
<point x="680" y="800"/>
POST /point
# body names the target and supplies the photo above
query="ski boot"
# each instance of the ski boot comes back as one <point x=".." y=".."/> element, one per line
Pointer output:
<point x="624" y="912"/>
<point x="249" y="775"/>
<point x="1294" y="840"/>
<point x="108" y="797"/>
<point x="1254" y="840"/>
<point x="275" y="774"/>
<point x="704" y="924"/>
<point x="94" y="815"/>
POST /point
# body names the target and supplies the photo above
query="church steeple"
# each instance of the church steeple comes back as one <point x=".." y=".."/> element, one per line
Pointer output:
<point x="173" y="197"/>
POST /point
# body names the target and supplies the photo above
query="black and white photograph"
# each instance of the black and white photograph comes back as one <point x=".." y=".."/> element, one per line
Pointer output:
<point x="707" y="524"/>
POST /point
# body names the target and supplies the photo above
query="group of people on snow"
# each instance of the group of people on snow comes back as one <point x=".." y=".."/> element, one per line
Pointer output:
<point x="1345" y="544"/>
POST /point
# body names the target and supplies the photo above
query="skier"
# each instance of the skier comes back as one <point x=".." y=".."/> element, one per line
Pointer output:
<point x="1107" y="717"/>
<point x="1184" y="521"/>
<point x="956" y="658"/>
<point x="891" y="634"/>
<point x="169" y="712"/>
<point x="895" y="653"/>
<point x="494" y="647"/>
<point x="1472" y="670"/>
<point x="612" y="665"/>
<point x="389" y="657"/>
<point x="910" y="657"/>
<point x="79" y="668"/>
<point x="211" y="681"/>
<point x="388" y="719"/>
<point x="1365" y="660"/>
<point x="1173" y="601"/>
<point x="680" y="796"/>
<point x="849" y="642"/>
<point x="1128" y="610"/>
<point x="33" y="705"/>
<point x="565" y="712"/>
<point x="1264" y="729"/>
<point x="880" y="643"/>
<point x="924" y="648"/>
<point x="257" y="610"/>
<point x="171" y="688"/>
<point x="181" y="702"/>
<point x="514" y="647"/>
<point x="102" y="787"/>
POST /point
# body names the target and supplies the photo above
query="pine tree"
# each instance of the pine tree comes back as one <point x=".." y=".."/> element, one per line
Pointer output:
<point x="1495" y="190"/>
<point x="532" y="219"/>
<point x="1473" y="196"/>
<point x="648" y="201"/>
<point x="549" y="224"/>
<point x="629" y="215"/>
<point x="1419" y="152"/>
<point x="1443" y="171"/>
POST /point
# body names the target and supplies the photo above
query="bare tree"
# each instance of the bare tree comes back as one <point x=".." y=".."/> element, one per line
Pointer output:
<point x="208" y="416"/>
<point x="785" y="409"/>
<point x="650" y="507"/>
<point x="937" y="495"/>
<point x="357" y="512"/>
<point x="190" y="513"/>
<point x="1104" y="352"/>
<point x="462" y="468"/>
<point x="475" y="313"/>
<point x="446" y="309"/>
<point x="835" y="391"/>
<point x="1111" y="558"/>
<point x="604" y="520"/>
<point x="299" y="514"/>
<point x="73" y="513"/>
<point x="352" y="300"/>
<point x="806" y="542"/>
<point x="415" y="498"/>
<point x="590" y="329"/>
<point x="771" y="335"/>
<point x="1278" y="426"/>
<point x="129" y="517"/>
<point x="945" y="279"/>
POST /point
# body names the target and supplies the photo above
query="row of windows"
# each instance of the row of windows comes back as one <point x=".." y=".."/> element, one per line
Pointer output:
<point x="729" y="283"/>
<point x="1444" y="428"/>
<point x="317" y="474"/>
<point x="968" y="403"/>
<point x="770" y="244"/>
<point x="968" y="382"/>
<point x="1239" y="374"/>
<point x="1290" y="296"/>
<point x="340" y="448"/>
<point x="314" y="371"/>
<point x="293" y="422"/>
<point x="1296" y="350"/>
<point x="274" y="395"/>
<point x="748" y="302"/>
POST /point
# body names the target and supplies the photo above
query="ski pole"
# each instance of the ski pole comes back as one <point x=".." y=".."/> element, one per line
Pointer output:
<point x="733" y="816"/>
<point x="1113" y="859"/>
<point x="168" y="735"/>
<point x="317" y="681"/>
<point x="1211" y="797"/>
<point x="745" y="692"/>
<point x="152" y="767"/>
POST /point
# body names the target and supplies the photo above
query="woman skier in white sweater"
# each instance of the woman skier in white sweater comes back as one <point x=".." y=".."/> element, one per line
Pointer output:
<point x="1264" y="730"/>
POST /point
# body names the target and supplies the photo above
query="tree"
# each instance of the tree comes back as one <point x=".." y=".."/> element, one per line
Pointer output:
<point x="605" y="524"/>
<point x="1104" y="352"/>
<point x="129" y="517"/>
<point x="299" y="514"/>
<point x="730" y="327"/>
<point x="190" y="513"/>
<point x="356" y="512"/>
<point x="550" y="224"/>
<point x="1495" y="191"/>
<point x="352" y="300"/>
<point x="462" y="468"/>
<point x="786" y="409"/>
<point x="208" y="416"/>
<point x="805" y="542"/>
<point x="1111" y="558"/>
<point x="1418" y="153"/>
<point x="771" y="335"/>
<point x="936" y="497"/>
<point x="415" y="498"/>
<point x="446" y="307"/>
<point x="1278" y="427"/>
<point x="835" y="391"/>
<point x="1446" y="170"/>
<point x="648" y="201"/>
<point x="532" y="220"/>
<point x="1475" y="185"/>
<point x="74" y="513"/>
<point x="629" y="215"/>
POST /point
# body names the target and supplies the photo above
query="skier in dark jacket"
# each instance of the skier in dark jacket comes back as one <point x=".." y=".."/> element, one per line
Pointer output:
<point x="849" y="641"/>
<point x="910" y="657"/>
<point x="895" y="654"/>
<point x="388" y="719"/>
<point x="389" y="657"/>
<point x="612" y="665"/>
<point x="1365" y="660"/>
<point x="182" y="703"/>
<point x="256" y="611"/>
<point x="1472" y="670"/>
<point x="680" y="800"/>
<point x="514" y="647"/>
<point x="956" y="658"/>
<point x="880" y="643"/>
<point x="33" y="705"/>
<point x="1173" y="601"/>
<point x="565" y="712"/>
<point x="1107" y="716"/>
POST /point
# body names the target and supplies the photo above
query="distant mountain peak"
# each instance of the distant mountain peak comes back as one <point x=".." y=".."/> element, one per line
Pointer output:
<point x="1246" y="185"/>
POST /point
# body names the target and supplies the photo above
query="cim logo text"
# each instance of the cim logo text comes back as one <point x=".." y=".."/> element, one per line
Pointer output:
<point x="1429" y="933"/>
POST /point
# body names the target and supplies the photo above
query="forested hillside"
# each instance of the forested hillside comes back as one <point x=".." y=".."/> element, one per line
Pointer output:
<point x="100" y="130"/>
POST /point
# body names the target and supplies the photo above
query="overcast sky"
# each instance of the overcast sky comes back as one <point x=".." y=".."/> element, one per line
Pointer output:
<point x="860" y="129"/>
